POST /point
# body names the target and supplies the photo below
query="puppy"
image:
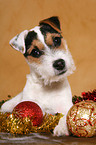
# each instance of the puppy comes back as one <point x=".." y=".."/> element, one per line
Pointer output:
<point x="50" y="62"/>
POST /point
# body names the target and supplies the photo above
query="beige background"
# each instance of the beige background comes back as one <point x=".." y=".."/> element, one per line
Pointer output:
<point x="78" y="22"/>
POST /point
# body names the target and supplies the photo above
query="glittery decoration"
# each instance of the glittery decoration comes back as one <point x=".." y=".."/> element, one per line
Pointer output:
<point x="49" y="123"/>
<point x="31" y="110"/>
<point x="18" y="126"/>
<point x="76" y="99"/>
<point x="9" y="123"/>
<point x="3" y="124"/>
<point x="90" y="95"/>
<point x="81" y="119"/>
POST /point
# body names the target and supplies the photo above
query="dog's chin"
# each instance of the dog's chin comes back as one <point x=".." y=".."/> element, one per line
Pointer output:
<point x="47" y="78"/>
<point x="58" y="77"/>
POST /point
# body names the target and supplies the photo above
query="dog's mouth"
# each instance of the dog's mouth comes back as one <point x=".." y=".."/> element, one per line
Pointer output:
<point x="62" y="72"/>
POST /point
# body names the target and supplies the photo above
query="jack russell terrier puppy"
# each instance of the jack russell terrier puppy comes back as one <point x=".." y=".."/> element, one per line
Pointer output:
<point x="50" y="63"/>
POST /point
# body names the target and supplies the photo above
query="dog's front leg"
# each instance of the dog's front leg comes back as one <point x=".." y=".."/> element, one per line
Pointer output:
<point x="61" y="129"/>
<point x="9" y="105"/>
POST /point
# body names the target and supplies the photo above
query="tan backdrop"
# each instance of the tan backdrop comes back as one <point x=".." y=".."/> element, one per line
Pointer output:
<point x="78" y="22"/>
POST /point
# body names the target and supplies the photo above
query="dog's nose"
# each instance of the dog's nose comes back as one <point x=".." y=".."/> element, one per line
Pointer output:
<point x="59" y="64"/>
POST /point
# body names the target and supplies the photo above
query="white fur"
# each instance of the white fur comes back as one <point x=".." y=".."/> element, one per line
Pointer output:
<point x="45" y="87"/>
<point x="18" y="42"/>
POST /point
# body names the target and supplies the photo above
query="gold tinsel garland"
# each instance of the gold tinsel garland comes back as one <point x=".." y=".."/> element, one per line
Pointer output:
<point x="9" y="123"/>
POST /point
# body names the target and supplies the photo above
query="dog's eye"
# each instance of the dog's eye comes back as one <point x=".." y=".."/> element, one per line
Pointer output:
<point x="36" y="52"/>
<point x="57" y="41"/>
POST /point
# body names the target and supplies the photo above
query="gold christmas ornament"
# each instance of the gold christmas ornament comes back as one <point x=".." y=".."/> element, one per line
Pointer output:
<point x="81" y="119"/>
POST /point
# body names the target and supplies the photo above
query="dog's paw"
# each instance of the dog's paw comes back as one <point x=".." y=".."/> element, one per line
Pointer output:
<point x="61" y="129"/>
<point x="6" y="107"/>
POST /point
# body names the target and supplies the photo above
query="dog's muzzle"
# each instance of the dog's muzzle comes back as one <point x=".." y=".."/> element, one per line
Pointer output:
<point x="60" y="66"/>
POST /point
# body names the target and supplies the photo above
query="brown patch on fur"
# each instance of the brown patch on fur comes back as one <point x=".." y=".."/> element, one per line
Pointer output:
<point x="35" y="43"/>
<point x="30" y="49"/>
<point x="33" y="59"/>
<point x="50" y="37"/>
<point x="49" y="40"/>
<point x="62" y="46"/>
<point x="38" y="44"/>
<point x="46" y="21"/>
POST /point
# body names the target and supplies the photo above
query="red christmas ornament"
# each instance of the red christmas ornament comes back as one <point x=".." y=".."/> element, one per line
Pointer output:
<point x="31" y="110"/>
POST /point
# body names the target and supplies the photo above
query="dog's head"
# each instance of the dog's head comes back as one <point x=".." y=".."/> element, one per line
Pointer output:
<point x="45" y="50"/>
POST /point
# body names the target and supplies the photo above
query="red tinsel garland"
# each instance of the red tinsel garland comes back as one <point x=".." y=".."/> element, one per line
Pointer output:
<point x="90" y="95"/>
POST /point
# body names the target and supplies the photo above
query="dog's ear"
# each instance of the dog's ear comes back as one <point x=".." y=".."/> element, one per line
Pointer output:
<point x="53" y="22"/>
<point x="18" y="42"/>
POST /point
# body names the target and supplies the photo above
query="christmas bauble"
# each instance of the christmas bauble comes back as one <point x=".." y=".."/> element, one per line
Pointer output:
<point x="31" y="110"/>
<point x="81" y="119"/>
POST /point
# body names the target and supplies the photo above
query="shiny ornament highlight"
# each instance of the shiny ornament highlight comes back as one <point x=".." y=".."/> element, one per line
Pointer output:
<point x="31" y="110"/>
<point x="81" y="119"/>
